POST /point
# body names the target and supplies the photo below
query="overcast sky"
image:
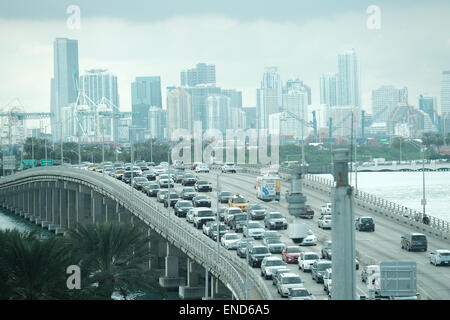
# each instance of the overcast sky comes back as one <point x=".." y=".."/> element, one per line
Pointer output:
<point x="302" y="38"/>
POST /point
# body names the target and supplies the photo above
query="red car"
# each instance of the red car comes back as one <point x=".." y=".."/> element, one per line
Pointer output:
<point x="291" y="254"/>
<point x="309" y="213"/>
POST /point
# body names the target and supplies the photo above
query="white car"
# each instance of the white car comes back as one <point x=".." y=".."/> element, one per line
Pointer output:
<point x="253" y="229"/>
<point x="230" y="240"/>
<point x="306" y="260"/>
<point x="326" y="209"/>
<point x="288" y="281"/>
<point x="327" y="277"/>
<point x="440" y="257"/>
<point x="270" y="264"/>
<point x="202" y="168"/>
<point x="309" y="240"/>
<point x="229" y="167"/>
<point x="324" y="222"/>
<point x="190" y="216"/>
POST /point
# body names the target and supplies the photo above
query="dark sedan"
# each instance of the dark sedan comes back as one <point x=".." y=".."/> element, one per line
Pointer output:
<point x="182" y="207"/>
<point x="151" y="189"/>
<point x="138" y="182"/>
<point x="188" y="180"/>
<point x="202" y="201"/>
<point x="188" y="193"/>
<point x="174" y="197"/>
<point x="225" y="196"/>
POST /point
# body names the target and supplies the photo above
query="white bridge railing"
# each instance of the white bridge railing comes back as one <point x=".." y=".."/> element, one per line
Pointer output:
<point x="228" y="267"/>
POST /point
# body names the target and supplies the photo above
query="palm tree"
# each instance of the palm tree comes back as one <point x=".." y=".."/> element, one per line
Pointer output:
<point x="32" y="268"/>
<point x="113" y="258"/>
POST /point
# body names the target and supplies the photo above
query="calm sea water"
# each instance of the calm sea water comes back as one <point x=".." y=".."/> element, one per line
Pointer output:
<point x="405" y="188"/>
<point x="11" y="221"/>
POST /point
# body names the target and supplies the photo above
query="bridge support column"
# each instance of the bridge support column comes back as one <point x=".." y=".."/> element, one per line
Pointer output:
<point x="47" y="220"/>
<point x="56" y="199"/>
<point x="83" y="205"/>
<point x="63" y="211"/>
<point x="123" y="215"/>
<point x="110" y="210"/>
<point x="72" y="200"/>
<point x="192" y="290"/>
<point x="97" y="207"/>
<point x="220" y="290"/>
<point x="171" y="280"/>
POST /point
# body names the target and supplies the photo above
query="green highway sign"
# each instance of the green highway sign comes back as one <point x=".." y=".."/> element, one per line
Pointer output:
<point x="46" y="162"/>
<point x="29" y="162"/>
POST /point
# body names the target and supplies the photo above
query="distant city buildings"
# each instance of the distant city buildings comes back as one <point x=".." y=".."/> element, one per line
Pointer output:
<point x="268" y="97"/>
<point x="328" y="89"/>
<point x="348" y="79"/>
<point x="64" y="84"/>
<point x="384" y="100"/>
<point x="445" y="101"/>
<point x="202" y="73"/>
<point x="179" y="115"/>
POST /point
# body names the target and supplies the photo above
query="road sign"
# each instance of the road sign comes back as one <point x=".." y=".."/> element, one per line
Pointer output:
<point x="398" y="279"/>
<point x="9" y="162"/>
<point x="46" y="162"/>
<point x="29" y="162"/>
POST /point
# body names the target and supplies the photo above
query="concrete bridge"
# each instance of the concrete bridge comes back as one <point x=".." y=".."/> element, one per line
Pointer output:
<point x="58" y="198"/>
<point x="393" y="166"/>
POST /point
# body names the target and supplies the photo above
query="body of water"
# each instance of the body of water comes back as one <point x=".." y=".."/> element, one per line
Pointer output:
<point x="405" y="188"/>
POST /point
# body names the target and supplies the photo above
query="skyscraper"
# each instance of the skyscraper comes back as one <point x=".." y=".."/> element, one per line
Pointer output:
<point x="145" y="93"/>
<point x="218" y="113"/>
<point x="298" y="85"/>
<point x="178" y="111"/>
<point x="296" y="102"/>
<point x="427" y="103"/>
<point x="198" y="103"/>
<point x="235" y="96"/>
<point x="328" y="89"/>
<point x="348" y="80"/>
<point x="202" y="73"/>
<point x="445" y="102"/>
<point x="269" y="96"/>
<point x="64" y="84"/>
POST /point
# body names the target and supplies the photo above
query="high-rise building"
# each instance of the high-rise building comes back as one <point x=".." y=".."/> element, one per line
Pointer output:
<point x="348" y="79"/>
<point x="198" y="103"/>
<point x="445" y="102"/>
<point x="202" y="73"/>
<point x="145" y="93"/>
<point x="99" y="86"/>
<point x="157" y="122"/>
<point x="218" y="113"/>
<point x="427" y="103"/>
<point x="298" y="85"/>
<point x="295" y="102"/>
<point x="384" y="100"/>
<point x="250" y="117"/>
<point x="235" y="96"/>
<point x="64" y="84"/>
<point x="269" y="96"/>
<point x="179" y="115"/>
<point x="328" y="89"/>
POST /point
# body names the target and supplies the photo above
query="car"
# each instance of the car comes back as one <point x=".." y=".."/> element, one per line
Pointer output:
<point x="237" y="221"/>
<point x="203" y="185"/>
<point x="275" y="245"/>
<point x="306" y="260"/>
<point x="151" y="164"/>
<point x="201" y="201"/>
<point x="206" y="226"/>
<point x="222" y="211"/>
<point x="365" y="224"/>
<point x="151" y="189"/>
<point x="300" y="294"/>
<point x="309" y="240"/>
<point x="202" y="168"/>
<point x="291" y="253"/>
<point x="309" y="213"/>
<point x="327" y="280"/>
<point x="230" y="241"/>
<point x="164" y="164"/>
<point x="242" y="246"/>
<point x="137" y="182"/>
<point x="158" y="170"/>
<point x="368" y="271"/>
<point x="144" y="186"/>
<point x="149" y="174"/>
<point x="256" y="253"/>
<point x="277" y="274"/>
<point x="224" y="196"/>
<point x="188" y="193"/>
<point x="212" y="232"/>
<point x="253" y="229"/>
<point x="165" y="182"/>
<point x="190" y="215"/>
<point x="161" y="195"/>
<point x="188" y="180"/>
<point x="326" y="250"/>
<point x="201" y="216"/>
<point x="324" y="222"/>
<point x="275" y="220"/>
<point x="318" y="269"/>
<point x="229" y="212"/>
<point x="171" y="199"/>
<point x="271" y="234"/>
<point x="414" y="241"/>
<point x="118" y="174"/>
<point x="195" y="164"/>
<point x="269" y="264"/>
<point x="179" y="165"/>
<point x="440" y="257"/>
<point x="238" y="201"/>
<point x="182" y="207"/>
<point x="256" y="211"/>
<point x="228" y="167"/>
<point x="326" y="209"/>
<point x="288" y="281"/>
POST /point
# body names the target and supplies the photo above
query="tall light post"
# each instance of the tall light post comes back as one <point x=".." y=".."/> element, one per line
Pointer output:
<point x="424" y="200"/>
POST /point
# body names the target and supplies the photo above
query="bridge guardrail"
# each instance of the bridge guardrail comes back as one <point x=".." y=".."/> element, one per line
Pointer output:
<point x="436" y="227"/>
<point x="175" y="230"/>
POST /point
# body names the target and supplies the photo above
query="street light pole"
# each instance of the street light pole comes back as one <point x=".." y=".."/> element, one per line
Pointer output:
<point x="424" y="201"/>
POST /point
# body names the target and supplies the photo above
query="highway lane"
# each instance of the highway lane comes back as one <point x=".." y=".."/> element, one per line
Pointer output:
<point x="382" y="245"/>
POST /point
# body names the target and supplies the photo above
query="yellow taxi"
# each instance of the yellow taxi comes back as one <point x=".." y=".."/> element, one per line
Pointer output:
<point x="238" y="201"/>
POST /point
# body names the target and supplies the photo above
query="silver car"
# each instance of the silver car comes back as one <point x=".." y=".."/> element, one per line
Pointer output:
<point x="440" y="257"/>
<point x="288" y="281"/>
<point x="300" y="294"/>
<point x="270" y="264"/>
<point x="324" y="222"/>
<point x="253" y="229"/>
<point x="306" y="260"/>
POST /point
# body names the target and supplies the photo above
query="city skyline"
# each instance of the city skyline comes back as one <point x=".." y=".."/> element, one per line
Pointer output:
<point x="419" y="68"/>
